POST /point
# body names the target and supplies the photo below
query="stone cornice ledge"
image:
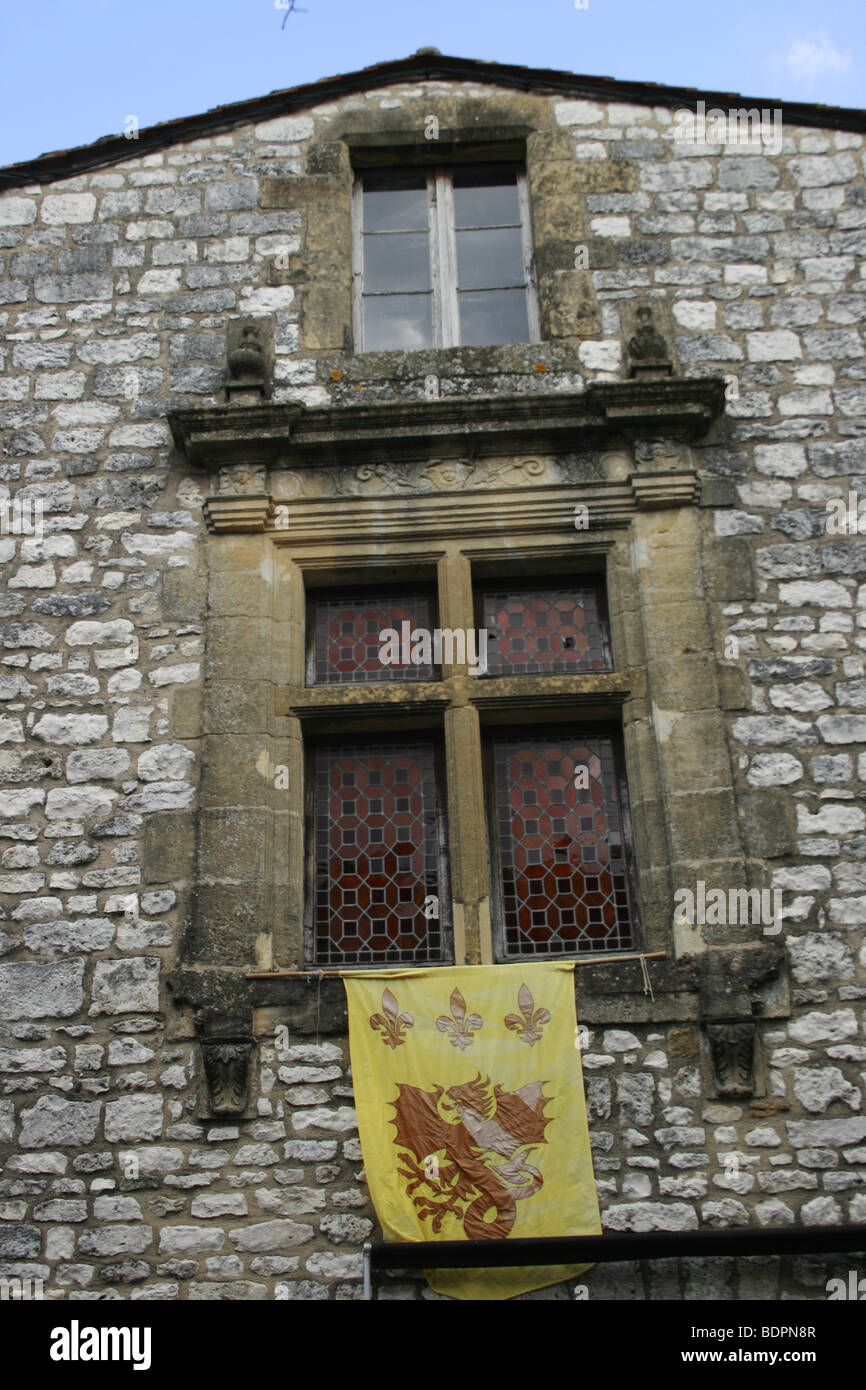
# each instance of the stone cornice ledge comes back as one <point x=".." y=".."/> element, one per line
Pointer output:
<point x="290" y="434"/>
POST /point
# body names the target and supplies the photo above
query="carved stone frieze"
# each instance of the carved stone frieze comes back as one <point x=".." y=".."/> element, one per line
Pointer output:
<point x="243" y="479"/>
<point x="437" y="476"/>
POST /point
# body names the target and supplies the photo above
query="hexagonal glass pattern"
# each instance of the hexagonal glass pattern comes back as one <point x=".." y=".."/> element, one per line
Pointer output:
<point x="377" y="860"/>
<point x="347" y="641"/>
<point x="563" y="872"/>
<point x="545" y="631"/>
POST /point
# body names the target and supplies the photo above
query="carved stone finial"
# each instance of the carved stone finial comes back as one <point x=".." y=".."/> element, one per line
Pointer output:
<point x="227" y="1070"/>
<point x="646" y="347"/>
<point x="247" y="368"/>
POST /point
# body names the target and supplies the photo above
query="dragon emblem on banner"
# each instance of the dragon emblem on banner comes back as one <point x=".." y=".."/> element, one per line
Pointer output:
<point x="466" y="1151"/>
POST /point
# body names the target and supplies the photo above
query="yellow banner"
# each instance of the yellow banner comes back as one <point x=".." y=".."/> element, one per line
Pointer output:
<point x="471" y="1111"/>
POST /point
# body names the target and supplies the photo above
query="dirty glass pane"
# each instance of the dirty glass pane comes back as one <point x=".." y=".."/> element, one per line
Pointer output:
<point x="493" y="316"/>
<point x="488" y="260"/>
<point x="396" y="261"/>
<point x="485" y="199"/>
<point x="397" y="321"/>
<point x="390" y="208"/>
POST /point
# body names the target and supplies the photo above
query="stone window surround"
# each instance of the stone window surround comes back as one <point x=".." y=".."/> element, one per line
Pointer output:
<point x="463" y="708"/>
<point x="624" y="449"/>
<point x="344" y="152"/>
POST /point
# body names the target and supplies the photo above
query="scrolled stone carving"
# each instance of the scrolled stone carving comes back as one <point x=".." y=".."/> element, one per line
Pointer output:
<point x="227" y="1071"/>
<point x="389" y="477"/>
<point x="518" y="472"/>
<point x="732" y="1058"/>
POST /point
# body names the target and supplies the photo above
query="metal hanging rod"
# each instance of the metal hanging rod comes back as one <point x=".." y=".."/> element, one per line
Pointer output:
<point x="315" y="974"/>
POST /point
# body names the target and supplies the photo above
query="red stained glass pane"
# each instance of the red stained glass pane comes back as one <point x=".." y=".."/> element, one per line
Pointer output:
<point x="348" y="645"/>
<point x="560" y="829"/>
<point x="377" y="862"/>
<point x="544" y="631"/>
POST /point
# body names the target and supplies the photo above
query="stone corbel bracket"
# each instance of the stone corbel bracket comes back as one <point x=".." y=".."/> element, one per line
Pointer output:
<point x="218" y="1008"/>
<point x="662" y="475"/>
<point x="238" y="513"/>
<point x="226" y="1064"/>
<point x="242" y="501"/>
<point x="738" y="985"/>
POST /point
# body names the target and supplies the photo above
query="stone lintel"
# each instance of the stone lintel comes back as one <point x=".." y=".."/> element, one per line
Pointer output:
<point x="421" y="697"/>
<point x="608" y="993"/>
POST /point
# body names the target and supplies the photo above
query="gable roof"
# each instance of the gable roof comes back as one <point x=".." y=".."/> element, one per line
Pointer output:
<point x="425" y="64"/>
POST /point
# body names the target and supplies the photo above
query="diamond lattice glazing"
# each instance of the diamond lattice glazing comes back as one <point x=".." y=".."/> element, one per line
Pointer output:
<point x="564" y="881"/>
<point x="347" y="640"/>
<point x="544" y="631"/>
<point x="377" y="863"/>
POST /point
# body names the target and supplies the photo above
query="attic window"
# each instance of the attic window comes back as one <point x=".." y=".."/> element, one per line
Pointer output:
<point x="443" y="258"/>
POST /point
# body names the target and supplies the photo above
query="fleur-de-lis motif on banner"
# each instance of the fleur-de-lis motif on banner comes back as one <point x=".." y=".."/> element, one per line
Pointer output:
<point x="391" y="1023"/>
<point x="459" y="1026"/>
<point x="529" y="1026"/>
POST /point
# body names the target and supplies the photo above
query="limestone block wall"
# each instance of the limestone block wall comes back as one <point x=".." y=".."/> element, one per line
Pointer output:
<point x="116" y="289"/>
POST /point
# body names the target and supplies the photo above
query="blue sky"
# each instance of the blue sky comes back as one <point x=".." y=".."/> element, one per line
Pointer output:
<point x="74" y="72"/>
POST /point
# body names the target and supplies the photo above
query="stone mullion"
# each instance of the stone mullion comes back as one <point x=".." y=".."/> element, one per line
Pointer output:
<point x="456" y="609"/>
<point x="467" y="838"/>
<point x="467" y="832"/>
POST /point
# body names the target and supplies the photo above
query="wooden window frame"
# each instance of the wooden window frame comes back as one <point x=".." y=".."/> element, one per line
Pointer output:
<point x="442" y="242"/>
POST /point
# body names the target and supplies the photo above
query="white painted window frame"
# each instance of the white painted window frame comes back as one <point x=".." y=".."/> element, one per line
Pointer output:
<point x="443" y="260"/>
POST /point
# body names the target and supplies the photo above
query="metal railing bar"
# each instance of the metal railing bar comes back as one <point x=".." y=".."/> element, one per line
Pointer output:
<point x="615" y="1247"/>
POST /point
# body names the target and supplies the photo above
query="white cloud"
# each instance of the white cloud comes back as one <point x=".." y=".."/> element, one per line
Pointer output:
<point x="811" y="57"/>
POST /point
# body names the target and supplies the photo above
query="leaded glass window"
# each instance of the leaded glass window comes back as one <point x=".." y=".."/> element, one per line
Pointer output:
<point x="381" y="892"/>
<point x="348" y="644"/>
<point x="552" y="631"/>
<point x="562" y="855"/>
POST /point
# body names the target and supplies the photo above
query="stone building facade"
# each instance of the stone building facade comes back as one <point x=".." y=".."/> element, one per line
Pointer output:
<point x="184" y="497"/>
